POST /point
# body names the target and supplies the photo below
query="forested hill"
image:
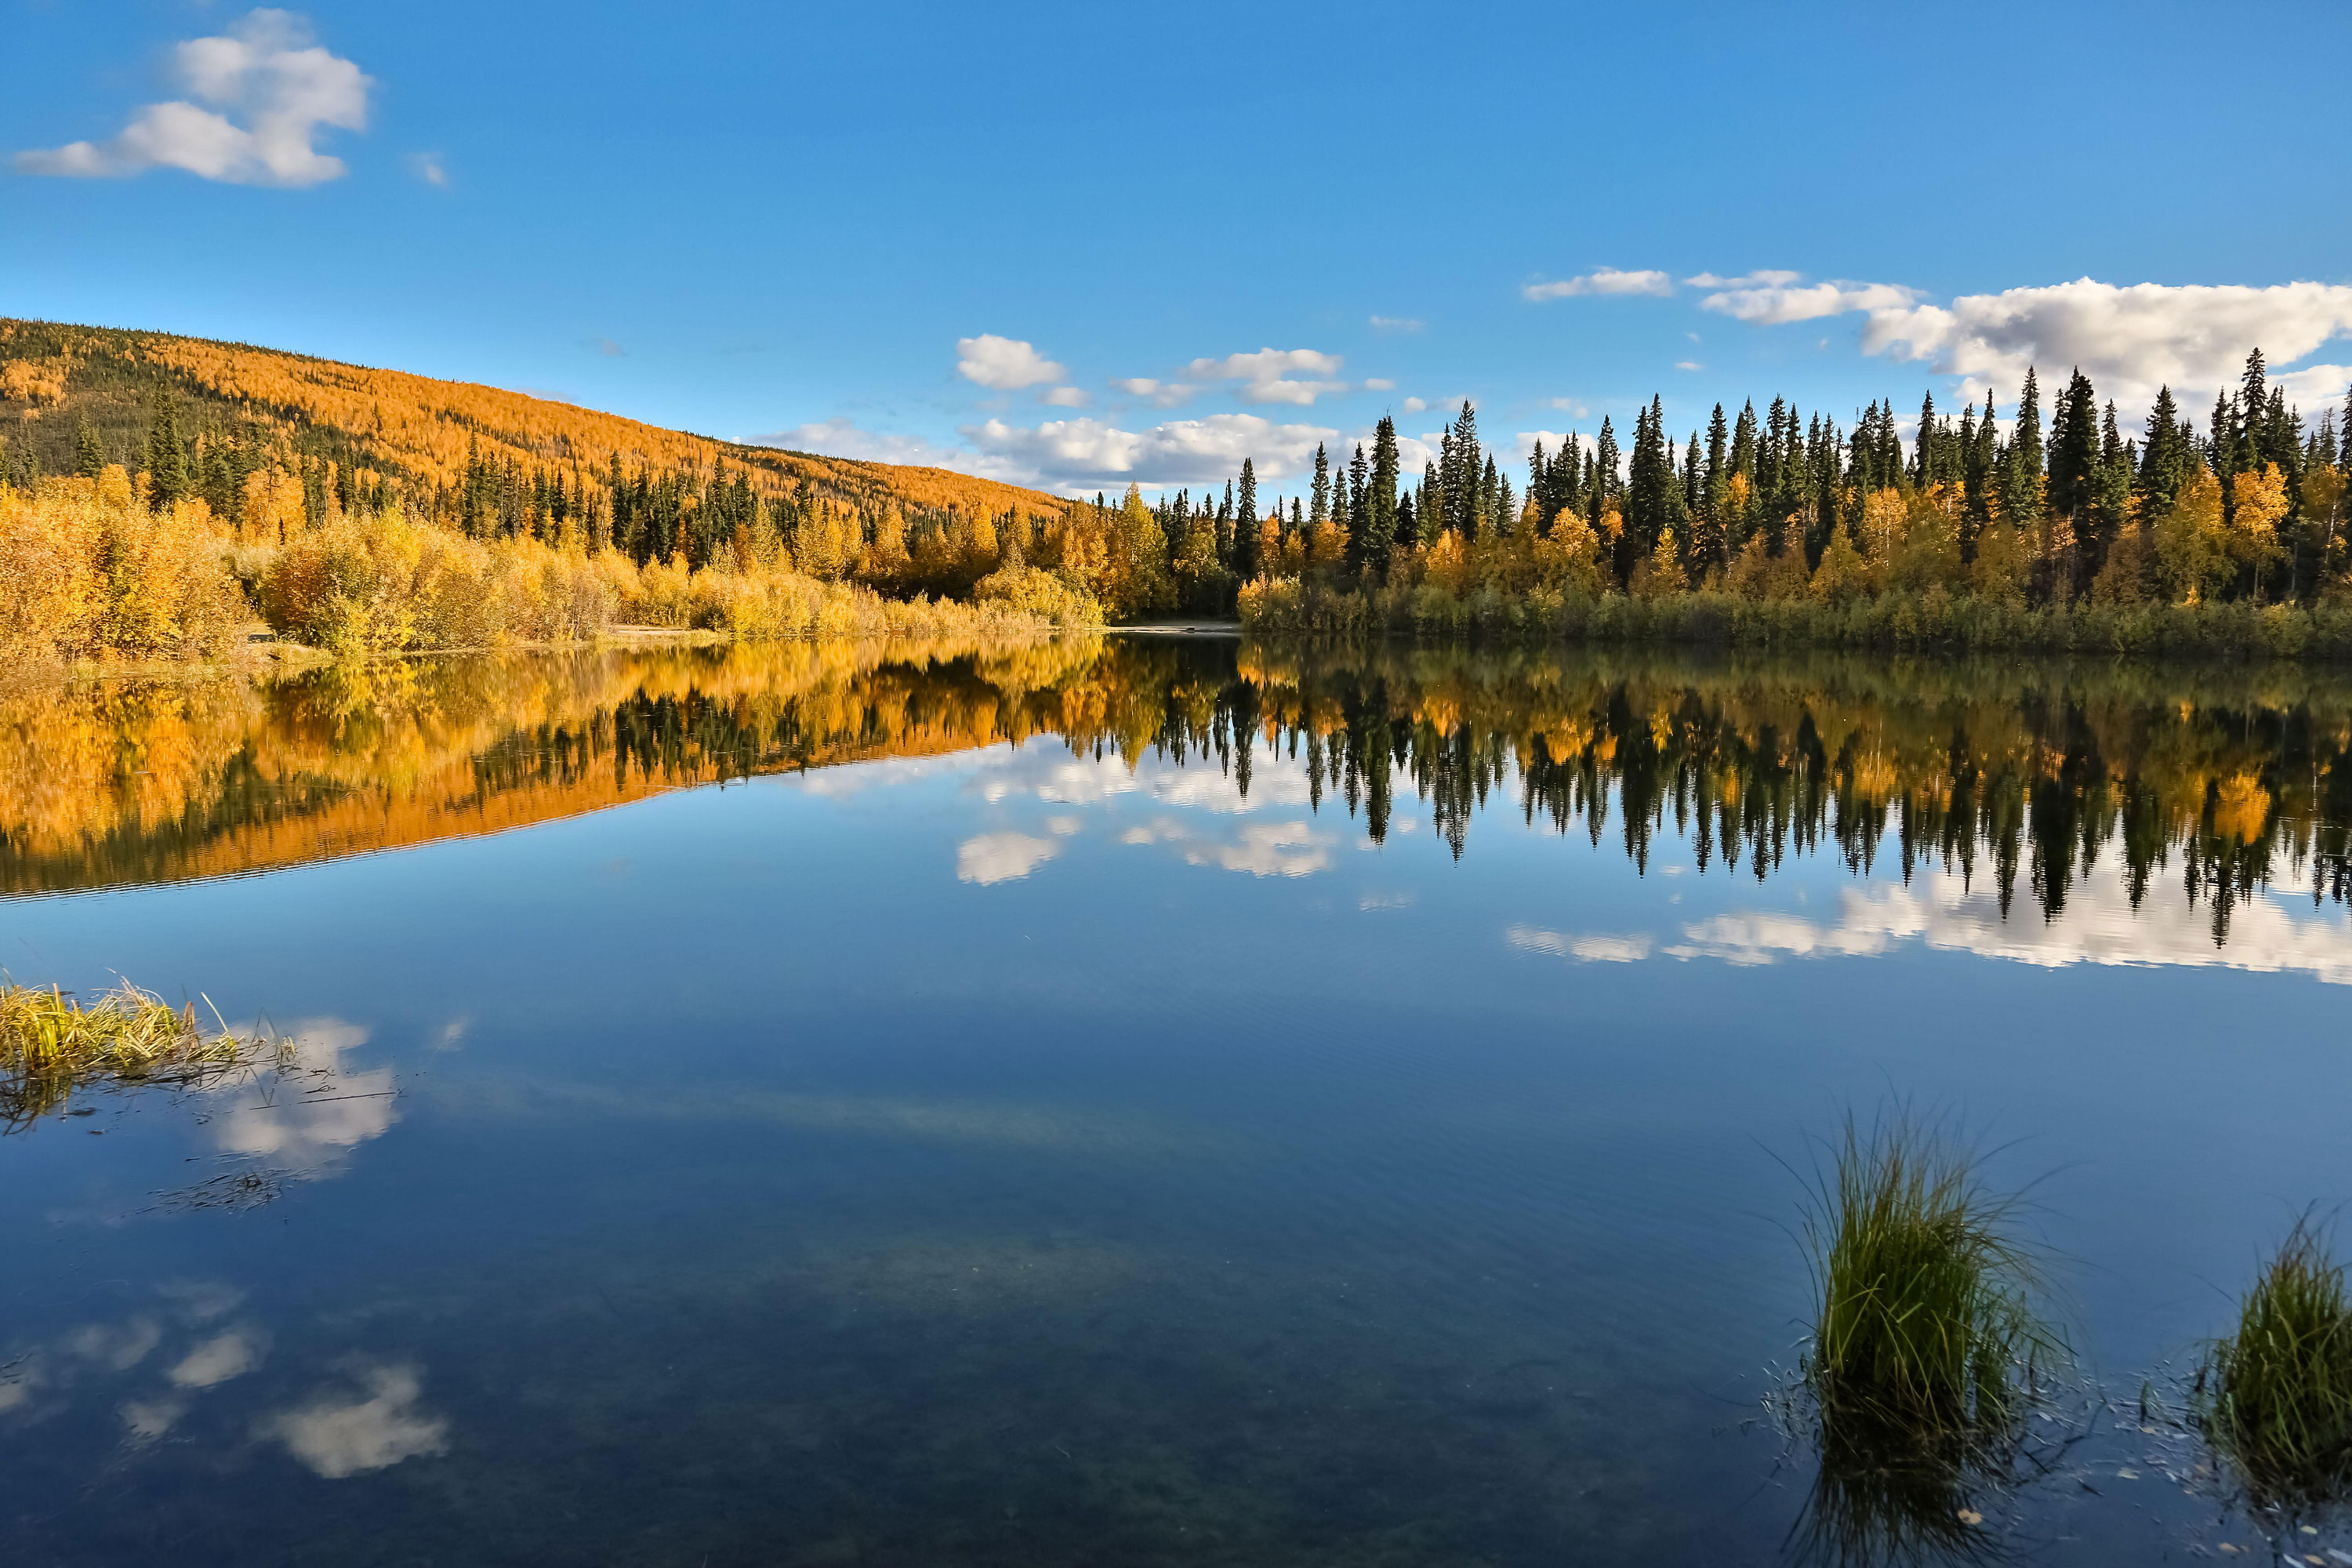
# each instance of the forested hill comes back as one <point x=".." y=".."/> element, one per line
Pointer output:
<point x="417" y="436"/>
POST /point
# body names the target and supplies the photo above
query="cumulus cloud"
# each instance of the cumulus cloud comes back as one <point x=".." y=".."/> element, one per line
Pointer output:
<point x="1785" y="300"/>
<point x="1602" y="280"/>
<point x="1379" y="383"/>
<point x="1004" y="364"/>
<point x="1159" y="394"/>
<point x="2128" y="338"/>
<point x="842" y="438"/>
<point x="1269" y="374"/>
<point x="1066" y="397"/>
<point x="1767" y="278"/>
<point x="263" y="93"/>
<point x="1181" y="451"/>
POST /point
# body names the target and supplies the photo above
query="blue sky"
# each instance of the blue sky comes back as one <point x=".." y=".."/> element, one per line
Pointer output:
<point x="782" y="221"/>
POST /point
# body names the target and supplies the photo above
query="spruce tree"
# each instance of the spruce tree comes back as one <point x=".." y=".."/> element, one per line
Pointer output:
<point x="2021" y="486"/>
<point x="89" y="458"/>
<point x="1322" y="488"/>
<point x="1245" y="552"/>
<point x="167" y="455"/>
<point x="2164" y="459"/>
<point x="1381" y="517"/>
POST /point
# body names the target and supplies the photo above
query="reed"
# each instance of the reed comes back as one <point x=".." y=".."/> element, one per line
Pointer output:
<point x="2277" y="1395"/>
<point x="52" y="1043"/>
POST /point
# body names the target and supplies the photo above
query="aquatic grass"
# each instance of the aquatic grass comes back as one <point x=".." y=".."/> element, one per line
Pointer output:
<point x="52" y="1043"/>
<point x="1924" y="1351"/>
<point x="2277" y="1395"/>
<point x="1925" y="1320"/>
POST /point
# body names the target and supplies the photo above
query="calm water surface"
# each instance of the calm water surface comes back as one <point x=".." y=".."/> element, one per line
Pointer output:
<point x="1150" y="1101"/>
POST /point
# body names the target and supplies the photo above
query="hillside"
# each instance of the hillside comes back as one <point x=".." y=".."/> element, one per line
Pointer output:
<point x="411" y="429"/>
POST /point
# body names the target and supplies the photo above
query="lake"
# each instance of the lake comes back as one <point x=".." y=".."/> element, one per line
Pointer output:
<point x="1143" y="1100"/>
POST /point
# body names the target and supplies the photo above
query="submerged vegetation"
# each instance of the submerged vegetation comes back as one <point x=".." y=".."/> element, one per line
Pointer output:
<point x="2277" y="1393"/>
<point x="52" y="1045"/>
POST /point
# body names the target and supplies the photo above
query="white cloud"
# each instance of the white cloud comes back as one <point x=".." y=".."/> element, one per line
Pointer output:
<point x="269" y="91"/>
<point x="841" y="437"/>
<point x="1764" y="279"/>
<point x="2128" y="338"/>
<point x="429" y="168"/>
<point x="1004" y="364"/>
<point x="1266" y="377"/>
<point x="1571" y="406"/>
<point x="337" y="1435"/>
<point x="1379" y="383"/>
<point x="992" y="857"/>
<point x="1159" y="394"/>
<point x="1066" y="397"/>
<point x="1775" y="303"/>
<point x="1181" y="451"/>
<point x="1398" y="324"/>
<point x="1688" y="364"/>
<point x="1415" y="405"/>
<point x="1602" y="280"/>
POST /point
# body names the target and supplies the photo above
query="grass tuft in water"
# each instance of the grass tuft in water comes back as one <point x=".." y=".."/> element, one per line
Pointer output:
<point x="52" y="1043"/>
<point x="1925" y="1322"/>
<point x="1924" y="1353"/>
<point x="2278" y="1394"/>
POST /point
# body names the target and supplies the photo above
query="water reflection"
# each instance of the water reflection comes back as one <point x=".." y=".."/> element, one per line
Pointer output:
<point x="2087" y="789"/>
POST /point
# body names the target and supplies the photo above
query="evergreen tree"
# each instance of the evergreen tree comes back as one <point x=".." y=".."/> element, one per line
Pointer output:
<point x="1245" y="550"/>
<point x="2250" y="448"/>
<point x="168" y="479"/>
<point x="2164" y="458"/>
<point x="2075" y="472"/>
<point x="89" y="458"/>
<point x="1603" y="480"/>
<point x="1382" y="515"/>
<point x="1646" y="486"/>
<point x="2021" y="482"/>
<point x="1322" y="488"/>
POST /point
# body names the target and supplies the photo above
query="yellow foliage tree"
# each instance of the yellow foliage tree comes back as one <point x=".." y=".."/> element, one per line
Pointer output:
<point x="2191" y="549"/>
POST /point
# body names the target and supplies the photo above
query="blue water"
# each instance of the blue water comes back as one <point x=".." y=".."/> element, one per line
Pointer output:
<point x="1024" y="1155"/>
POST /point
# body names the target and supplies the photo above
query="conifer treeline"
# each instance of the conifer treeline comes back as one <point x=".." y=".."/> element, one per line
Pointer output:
<point x="1788" y="503"/>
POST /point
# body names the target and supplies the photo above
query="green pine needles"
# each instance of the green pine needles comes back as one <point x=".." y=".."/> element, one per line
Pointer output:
<point x="2277" y="1395"/>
